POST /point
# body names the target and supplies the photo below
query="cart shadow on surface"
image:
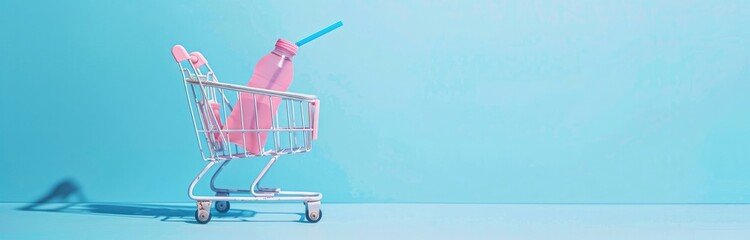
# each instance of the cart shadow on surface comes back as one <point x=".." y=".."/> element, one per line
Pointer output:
<point x="59" y="199"/>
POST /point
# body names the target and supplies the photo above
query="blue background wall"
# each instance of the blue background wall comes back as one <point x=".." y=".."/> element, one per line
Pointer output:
<point x="527" y="101"/>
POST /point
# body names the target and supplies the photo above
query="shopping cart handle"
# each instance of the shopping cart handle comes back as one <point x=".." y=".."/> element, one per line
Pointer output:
<point x="197" y="59"/>
<point x="179" y="53"/>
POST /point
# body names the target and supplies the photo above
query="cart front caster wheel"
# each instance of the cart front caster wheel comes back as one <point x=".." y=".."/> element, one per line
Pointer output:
<point x="314" y="216"/>
<point x="222" y="206"/>
<point x="202" y="216"/>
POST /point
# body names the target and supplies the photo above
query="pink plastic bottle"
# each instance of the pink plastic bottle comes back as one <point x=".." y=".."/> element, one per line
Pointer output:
<point x="274" y="71"/>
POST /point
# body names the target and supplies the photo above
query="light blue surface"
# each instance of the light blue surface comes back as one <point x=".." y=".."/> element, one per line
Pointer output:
<point x="481" y="101"/>
<point x="381" y="221"/>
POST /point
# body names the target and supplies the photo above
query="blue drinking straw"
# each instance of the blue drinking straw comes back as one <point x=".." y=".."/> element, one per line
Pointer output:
<point x="319" y="33"/>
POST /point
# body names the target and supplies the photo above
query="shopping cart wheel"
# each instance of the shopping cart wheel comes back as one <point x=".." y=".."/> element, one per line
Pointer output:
<point x="202" y="216"/>
<point x="314" y="216"/>
<point x="222" y="206"/>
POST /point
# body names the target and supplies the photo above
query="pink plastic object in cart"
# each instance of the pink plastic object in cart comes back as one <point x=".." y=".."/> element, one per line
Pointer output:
<point x="274" y="71"/>
<point x="212" y="123"/>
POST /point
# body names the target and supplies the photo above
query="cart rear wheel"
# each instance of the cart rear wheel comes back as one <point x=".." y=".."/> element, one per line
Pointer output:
<point x="314" y="216"/>
<point x="202" y="216"/>
<point x="222" y="206"/>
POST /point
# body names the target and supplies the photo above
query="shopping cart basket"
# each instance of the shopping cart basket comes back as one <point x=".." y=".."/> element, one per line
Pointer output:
<point x="294" y="127"/>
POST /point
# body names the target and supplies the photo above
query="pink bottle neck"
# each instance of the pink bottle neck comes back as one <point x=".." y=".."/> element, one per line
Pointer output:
<point x="286" y="48"/>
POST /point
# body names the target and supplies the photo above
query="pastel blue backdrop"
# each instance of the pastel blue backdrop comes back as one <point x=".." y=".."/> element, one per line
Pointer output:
<point x="423" y="101"/>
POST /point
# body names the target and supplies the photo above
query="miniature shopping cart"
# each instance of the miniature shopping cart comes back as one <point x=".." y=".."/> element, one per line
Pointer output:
<point x="294" y="127"/>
